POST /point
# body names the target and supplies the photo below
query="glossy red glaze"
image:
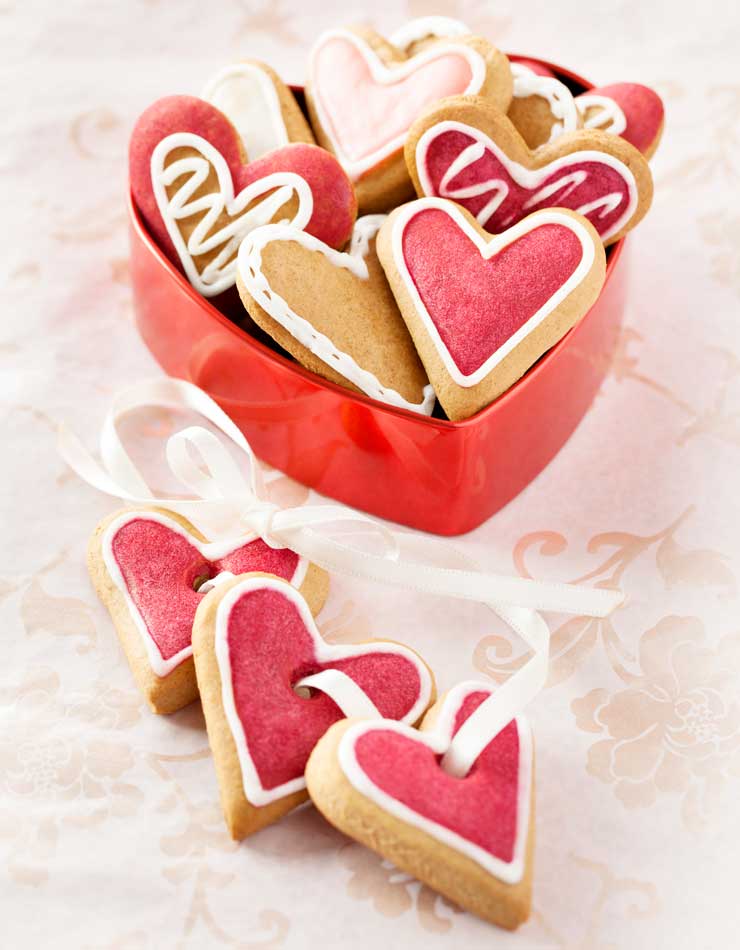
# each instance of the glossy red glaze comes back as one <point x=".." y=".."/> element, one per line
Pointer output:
<point x="438" y="476"/>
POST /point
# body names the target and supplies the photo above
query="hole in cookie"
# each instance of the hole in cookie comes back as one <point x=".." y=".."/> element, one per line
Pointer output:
<point x="200" y="581"/>
<point x="303" y="691"/>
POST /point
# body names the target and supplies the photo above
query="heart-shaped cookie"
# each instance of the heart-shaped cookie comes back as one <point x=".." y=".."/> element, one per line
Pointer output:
<point x="363" y="94"/>
<point x="271" y="687"/>
<point x="199" y="197"/>
<point x="261" y="107"/>
<point x="542" y="107"/>
<point x="414" y="35"/>
<point x="470" y="838"/>
<point x="348" y="328"/>
<point x="628" y="109"/>
<point x="464" y="150"/>
<point x="480" y="309"/>
<point x="149" y="567"/>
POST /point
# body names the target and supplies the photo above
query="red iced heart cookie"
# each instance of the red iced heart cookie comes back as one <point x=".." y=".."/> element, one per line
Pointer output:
<point x="363" y="95"/>
<point x="468" y="837"/>
<point x="482" y="310"/>
<point x="147" y="567"/>
<point x="628" y="109"/>
<point x="255" y="643"/>
<point x="199" y="197"/>
<point x="464" y="150"/>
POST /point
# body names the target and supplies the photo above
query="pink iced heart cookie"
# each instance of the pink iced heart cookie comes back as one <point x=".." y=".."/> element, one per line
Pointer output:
<point x="363" y="95"/>
<point x="628" y="109"/>
<point x="271" y="687"/>
<point x="199" y="195"/>
<point x="150" y="569"/>
<point x="466" y="835"/>
<point x="464" y="150"/>
<point x="480" y="309"/>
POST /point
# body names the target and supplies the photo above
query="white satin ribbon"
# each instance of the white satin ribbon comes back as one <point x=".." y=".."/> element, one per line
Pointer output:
<point x="226" y="504"/>
<point x="342" y="689"/>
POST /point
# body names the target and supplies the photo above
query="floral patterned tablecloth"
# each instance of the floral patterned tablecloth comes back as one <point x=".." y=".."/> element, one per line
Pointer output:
<point x="110" y="829"/>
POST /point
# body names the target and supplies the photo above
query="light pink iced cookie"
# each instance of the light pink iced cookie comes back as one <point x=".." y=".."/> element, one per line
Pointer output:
<point x="481" y="309"/>
<point x="627" y="109"/>
<point x="200" y="196"/>
<point x="363" y="94"/>
<point x="271" y="687"/>
<point x="469" y="836"/>
<point x="464" y="150"/>
<point x="150" y="567"/>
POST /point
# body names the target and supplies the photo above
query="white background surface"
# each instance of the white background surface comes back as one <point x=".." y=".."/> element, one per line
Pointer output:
<point x="110" y="830"/>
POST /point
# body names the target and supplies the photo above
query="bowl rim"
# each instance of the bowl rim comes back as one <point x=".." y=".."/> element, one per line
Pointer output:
<point x="184" y="285"/>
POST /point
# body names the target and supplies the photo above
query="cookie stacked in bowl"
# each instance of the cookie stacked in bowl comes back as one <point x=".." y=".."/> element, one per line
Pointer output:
<point x="421" y="229"/>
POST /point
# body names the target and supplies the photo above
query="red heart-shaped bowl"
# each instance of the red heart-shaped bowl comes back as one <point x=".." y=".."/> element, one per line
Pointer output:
<point x="439" y="476"/>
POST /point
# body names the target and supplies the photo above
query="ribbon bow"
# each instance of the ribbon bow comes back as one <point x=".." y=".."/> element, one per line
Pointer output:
<point x="225" y="503"/>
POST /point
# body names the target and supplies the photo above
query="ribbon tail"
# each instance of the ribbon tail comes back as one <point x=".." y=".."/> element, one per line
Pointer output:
<point x="476" y="586"/>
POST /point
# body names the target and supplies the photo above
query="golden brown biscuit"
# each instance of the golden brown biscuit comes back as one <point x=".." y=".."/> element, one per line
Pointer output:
<point x="334" y="312"/>
<point x="363" y="94"/>
<point x="270" y="687"/>
<point x="149" y="565"/>
<point x="471" y="838"/>
<point x="465" y="150"/>
<point x="481" y="309"/>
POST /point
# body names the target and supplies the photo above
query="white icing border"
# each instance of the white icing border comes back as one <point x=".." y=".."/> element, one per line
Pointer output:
<point x="384" y="75"/>
<point x="212" y="551"/>
<point x="557" y="95"/>
<point x="324" y="652"/>
<point x="250" y="271"/>
<point x="488" y="249"/>
<point x="262" y="129"/>
<point x="427" y="27"/>
<point x="220" y="273"/>
<point x="438" y="740"/>
<point x="609" y="112"/>
<point x="525" y="177"/>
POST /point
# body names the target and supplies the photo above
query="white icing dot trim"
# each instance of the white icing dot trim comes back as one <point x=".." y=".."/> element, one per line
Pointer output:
<point x="324" y="653"/>
<point x="557" y="95"/>
<point x="525" y="177"/>
<point x="438" y="740"/>
<point x="608" y="118"/>
<point x="488" y="249"/>
<point x="387" y="76"/>
<point x="219" y="274"/>
<point x="427" y="26"/>
<point x="211" y="552"/>
<point x="246" y="95"/>
<point x="250" y="271"/>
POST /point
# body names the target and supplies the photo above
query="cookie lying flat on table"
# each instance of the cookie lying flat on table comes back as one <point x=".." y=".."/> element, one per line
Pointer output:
<point x="463" y="149"/>
<point x="363" y="94"/>
<point x="469" y="837"/>
<point x="542" y="107"/>
<point x="271" y="687"/>
<point x="482" y="309"/>
<point x="627" y="109"/>
<point x="334" y="312"/>
<point x="199" y="195"/>
<point x="148" y="566"/>
<point x="260" y="106"/>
